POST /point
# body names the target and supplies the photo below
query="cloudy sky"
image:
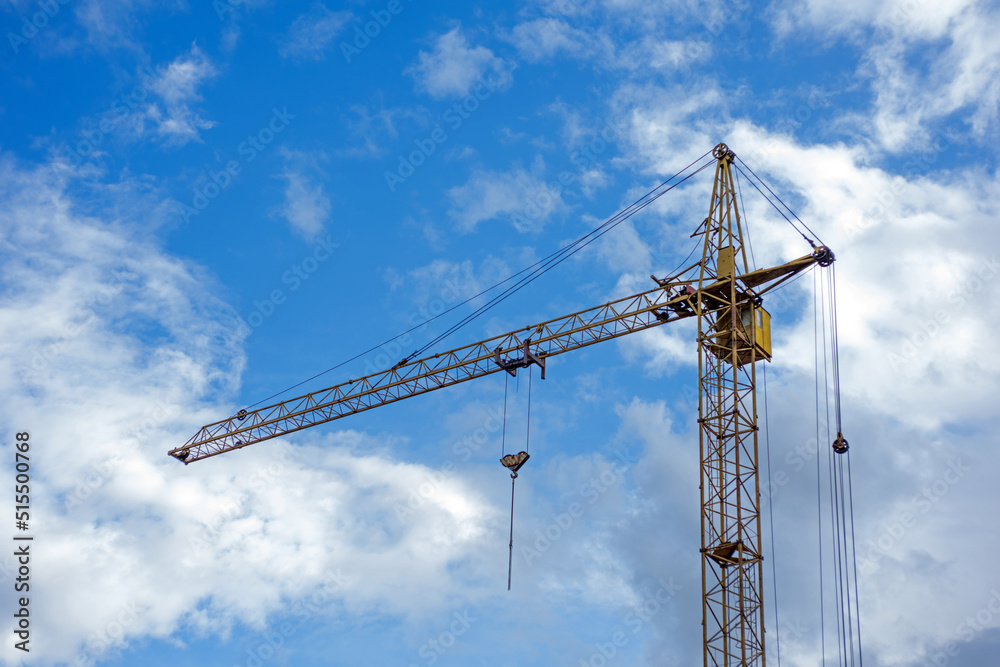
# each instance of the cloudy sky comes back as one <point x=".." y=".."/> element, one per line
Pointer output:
<point x="205" y="203"/>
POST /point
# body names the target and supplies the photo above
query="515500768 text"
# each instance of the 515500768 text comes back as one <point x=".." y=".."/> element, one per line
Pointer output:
<point x="22" y="551"/>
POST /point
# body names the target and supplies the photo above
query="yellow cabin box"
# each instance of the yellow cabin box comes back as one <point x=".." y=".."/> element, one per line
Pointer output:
<point x="761" y="321"/>
<point x="754" y="324"/>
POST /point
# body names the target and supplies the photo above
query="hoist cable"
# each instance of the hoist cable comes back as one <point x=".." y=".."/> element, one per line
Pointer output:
<point x="849" y="622"/>
<point x="837" y="495"/>
<point x="550" y="260"/>
<point x="510" y="556"/>
<point x="836" y="344"/>
<point x="819" y="494"/>
<point x="417" y="326"/>
<point x="843" y="583"/>
<point x="854" y="552"/>
<point x="787" y="207"/>
<point x="566" y="252"/>
<point x="739" y="190"/>
<point x="767" y="448"/>
<point x="527" y="428"/>
<point x="570" y="250"/>
<point x="831" y="471"/>
<point x="780" y="212"/>
<point x="503" y="433"/>
<point x="674" y="273"/>
<point x="834" y="526"/>
<point x="847" y="549"/>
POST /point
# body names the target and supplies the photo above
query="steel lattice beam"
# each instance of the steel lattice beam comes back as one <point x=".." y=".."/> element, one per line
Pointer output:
<point x="611" y="320"/>
<point x="732" y="601"/>
<point x="618" y="318"/>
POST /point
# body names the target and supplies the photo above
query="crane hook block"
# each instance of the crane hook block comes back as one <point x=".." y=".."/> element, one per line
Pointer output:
<point x="840" y="444"/>
<point x="513" y="462"/>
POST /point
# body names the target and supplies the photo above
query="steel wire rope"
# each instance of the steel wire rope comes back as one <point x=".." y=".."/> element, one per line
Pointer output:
<point x="837" y="518"/>
<point x="550" y="259"/>
<point x="767" y="447"/>
<point x="854" y="552"/>
<point x="510" y="557"/>
<point x="567" y="252"/>
<point x="844" y="582"/>
<point x="787" y="207"/>
<point x="673" y="274"/>
<point x="411" y="329"/>
<point x="503" y="434"/>
<point x="790" y="282"/>
<point x="833" y="480"/>
<point x="780" y="212"/>
<point x="835" y="344"/>
<point x="819" y="492"/>
<point x="527" y="427"/>
<point x="739" y="190"/>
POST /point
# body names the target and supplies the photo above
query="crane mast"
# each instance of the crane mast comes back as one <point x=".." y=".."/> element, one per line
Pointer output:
<point x="733" y="334"/>
<point x="732" y="595"/>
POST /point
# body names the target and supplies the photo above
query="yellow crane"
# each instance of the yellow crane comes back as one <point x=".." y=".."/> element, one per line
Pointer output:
<point x="733" y="334"/>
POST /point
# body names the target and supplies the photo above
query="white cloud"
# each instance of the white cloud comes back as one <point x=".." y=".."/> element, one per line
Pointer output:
<point x="178" y="87"/>
<point x="307" y="207"/>
<point x="180" y="81"/>
<point x="921" y="76"/>
<point x="860" y="211"/>
<point x="915" y="312"/>
<point x="518" y="195"/>
<point x="373" y="124"/>
<point x="106" y="25"/>
<point x="928" y="224"/>
<point x="115" y="352"/>
<point x="545" y="38"/>
<point x="310" y="34"/>
<point x="916" y="274"/>
<point x="453" y="68"/>
<point x="670" y="126"/>
<point x="429" y="290"/>
<point x="925" y="62"/>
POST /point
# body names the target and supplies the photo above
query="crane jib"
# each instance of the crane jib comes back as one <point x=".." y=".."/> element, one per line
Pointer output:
<point x="611" y="320"/>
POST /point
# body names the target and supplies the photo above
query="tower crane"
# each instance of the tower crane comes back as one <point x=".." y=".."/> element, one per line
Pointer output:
<point x="726" y="297"/>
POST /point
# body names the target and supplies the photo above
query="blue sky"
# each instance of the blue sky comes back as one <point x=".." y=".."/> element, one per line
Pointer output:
<point x="202" y="204"/>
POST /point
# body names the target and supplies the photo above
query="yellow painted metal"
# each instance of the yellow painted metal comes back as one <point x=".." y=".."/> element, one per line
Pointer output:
<point x="726" y="262"/>
<point x="724" y="298"/>
<point x="761" y="332"/>
<point x="665" y="303"/>
<point x="732" y="572"/>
